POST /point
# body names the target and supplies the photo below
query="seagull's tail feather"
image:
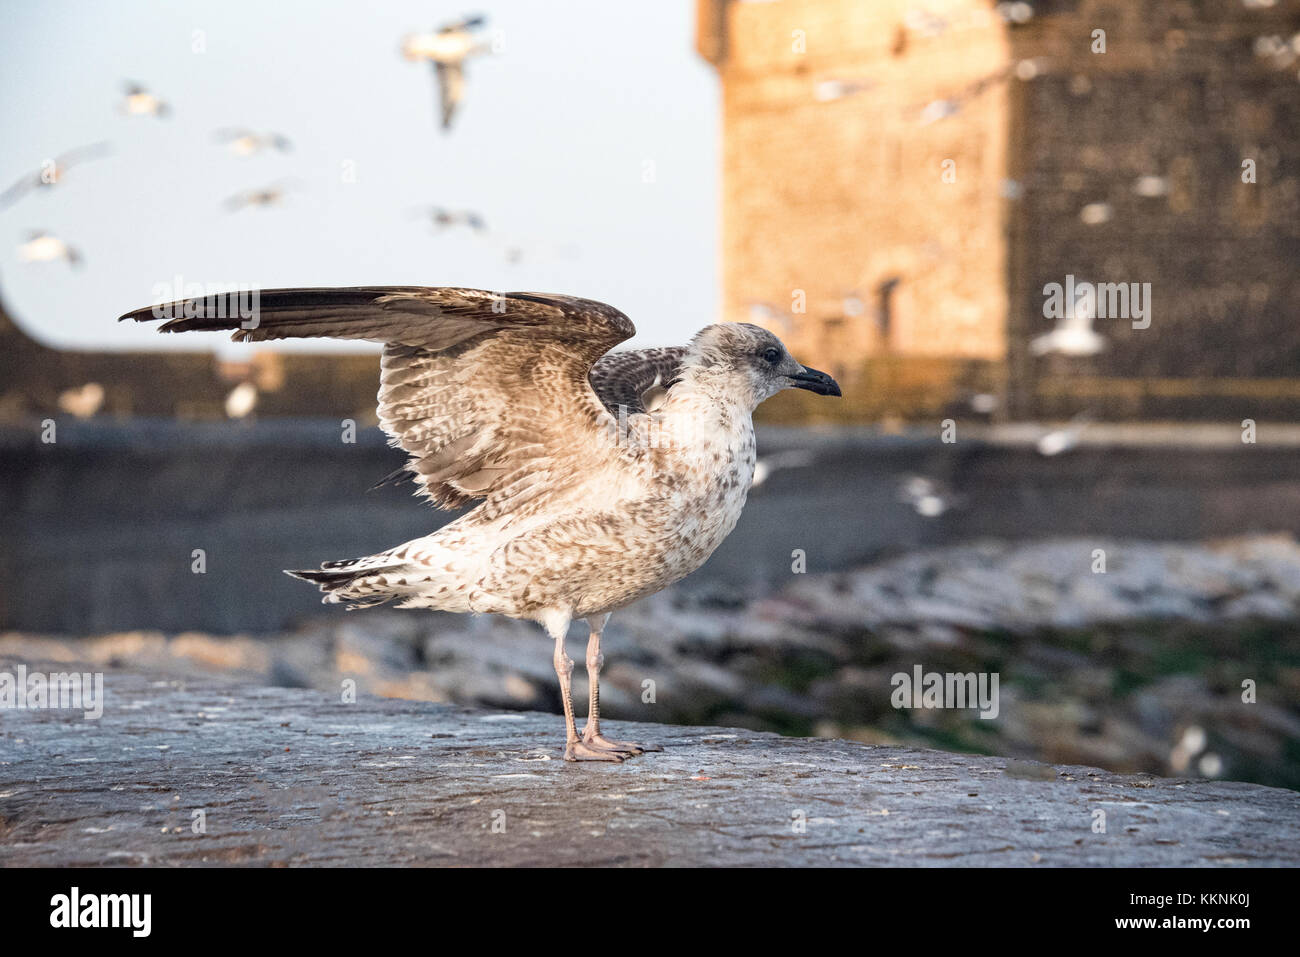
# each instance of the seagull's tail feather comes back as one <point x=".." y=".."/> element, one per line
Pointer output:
<point x="422" y="573"/>
<point x="359" y="582"/>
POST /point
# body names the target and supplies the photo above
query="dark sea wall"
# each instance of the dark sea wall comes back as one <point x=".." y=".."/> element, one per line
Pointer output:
<point x="98" y="530"/>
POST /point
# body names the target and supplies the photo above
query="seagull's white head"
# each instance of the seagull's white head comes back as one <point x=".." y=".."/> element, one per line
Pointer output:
<point x="748" y="359"/>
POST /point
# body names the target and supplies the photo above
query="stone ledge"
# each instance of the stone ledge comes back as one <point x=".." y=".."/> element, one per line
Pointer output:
<point x="289" y="776"/>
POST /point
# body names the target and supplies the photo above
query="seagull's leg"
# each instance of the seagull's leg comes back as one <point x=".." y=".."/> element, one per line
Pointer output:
<point x="591" y="731"/>
<point x="591" y="735"/>
<point x="557" y="625"/>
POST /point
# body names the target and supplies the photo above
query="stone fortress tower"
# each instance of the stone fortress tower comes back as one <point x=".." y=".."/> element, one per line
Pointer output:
<point x="903" y="178"/>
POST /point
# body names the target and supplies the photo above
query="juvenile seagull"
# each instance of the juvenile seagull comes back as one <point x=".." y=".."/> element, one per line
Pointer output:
<point x="447" y="50"/>
<point x="589" y="502"/>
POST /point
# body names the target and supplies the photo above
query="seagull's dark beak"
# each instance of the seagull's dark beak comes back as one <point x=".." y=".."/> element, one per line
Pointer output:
<point x="814" y="381"/>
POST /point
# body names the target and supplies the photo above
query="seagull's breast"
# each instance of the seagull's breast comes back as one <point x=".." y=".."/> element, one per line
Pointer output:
<point x="42" y="249"/>
<point x="439" y="47"/>
<point x="703" y="480"/>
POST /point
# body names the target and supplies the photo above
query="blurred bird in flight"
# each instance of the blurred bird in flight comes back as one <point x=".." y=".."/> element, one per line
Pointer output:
<point x="82" y="402"/>
<point x="1072" y="336"/>
<point x="443" y="218"/>
<point x="51" y="173"/>
<point x="44" y="247"/>
<point x="447" y="50"/>
<point x="241" y="400"/>
<point x="929" y="498"/>
<point x="1063" y="439"/>
<point x="272" y="195"/>
<point x="140" y="102"/>
<point x="243" y="142"/>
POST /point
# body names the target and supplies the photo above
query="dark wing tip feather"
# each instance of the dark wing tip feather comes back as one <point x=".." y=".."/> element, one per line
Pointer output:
<point x="303" y="574"/>
<point x="396" y="477"/>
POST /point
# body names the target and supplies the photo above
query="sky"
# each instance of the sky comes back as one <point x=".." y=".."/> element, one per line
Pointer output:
<point x="590" y="141"/>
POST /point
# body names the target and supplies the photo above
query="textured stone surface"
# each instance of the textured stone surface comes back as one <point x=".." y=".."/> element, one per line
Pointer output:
<point x="1118" y="670"/>
<point x="296" y="777"/>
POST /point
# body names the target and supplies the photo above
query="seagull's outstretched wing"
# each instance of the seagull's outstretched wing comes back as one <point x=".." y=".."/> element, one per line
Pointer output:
<point x="64" y="160"/>
<point x="465" y="23"/>
<point x="626" y="378"/>
<point x="83" y="153"/>
<point x="488" y="392"/>
<point x="19" y="189"/>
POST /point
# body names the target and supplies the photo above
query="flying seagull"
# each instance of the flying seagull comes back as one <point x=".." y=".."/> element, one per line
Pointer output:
<point x="827" y="91"/>
<point x="792" y="459"/>
<point x="1073" y="335"/>
<point x="1064" y="439"/>
<point x="588" y="501"/>
<point x="43" y="247"/>
<point x="243" y="142"/>
<point x="83" y="402"/>
<point x="140" y="102"/>
<point x="51" y="173"/>
<point x="447" y="50"/>
<point x="272" y="195"/>
<point x="928" y="497"/>
<point x="444" y="218"/>
<point x="241" y="400"/>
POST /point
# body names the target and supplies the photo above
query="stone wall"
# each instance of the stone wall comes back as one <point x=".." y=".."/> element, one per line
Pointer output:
<point x="36" y="380"/>
<point x="839" y="193"/>
<point x="1118" y="166"/>
<point x="97" y="530"/>
<point x="1130" y="167"/>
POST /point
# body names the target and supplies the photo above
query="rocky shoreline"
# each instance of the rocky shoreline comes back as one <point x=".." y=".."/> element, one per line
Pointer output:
<point x="1148" y="665"/>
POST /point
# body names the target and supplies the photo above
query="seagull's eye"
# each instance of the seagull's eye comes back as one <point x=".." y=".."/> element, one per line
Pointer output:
<point x="772" y="355"/>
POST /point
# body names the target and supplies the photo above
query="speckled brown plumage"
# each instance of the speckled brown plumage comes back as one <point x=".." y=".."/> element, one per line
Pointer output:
<point x="622" y="378"/>
<point x="602" y="478"/>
